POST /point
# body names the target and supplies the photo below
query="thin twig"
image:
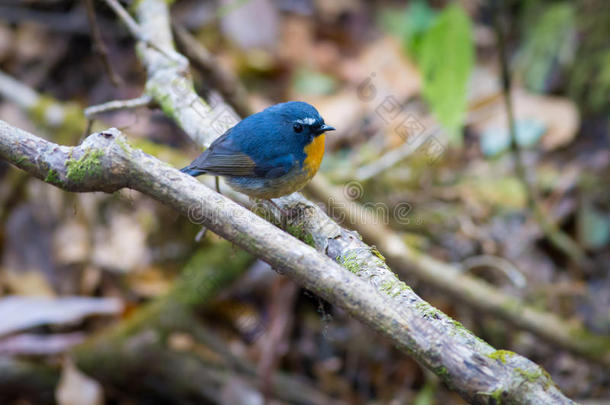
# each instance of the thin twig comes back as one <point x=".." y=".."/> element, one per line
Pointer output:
<point x="392" y="157"/>
<point x="98" y="44"/>
<point x="136" y="32"/>
<point x="556" y="236"/>
<point x="142" y="101"/>
<point x="129" y="22"/>
<point x="224" y="81"/>
<point x="495" y="262"/>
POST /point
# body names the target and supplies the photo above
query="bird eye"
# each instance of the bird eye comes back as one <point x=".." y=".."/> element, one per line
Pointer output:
<point x="297" y="128"/>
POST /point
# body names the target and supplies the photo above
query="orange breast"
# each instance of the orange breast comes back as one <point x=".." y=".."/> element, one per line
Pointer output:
<point x="315" y="153"/>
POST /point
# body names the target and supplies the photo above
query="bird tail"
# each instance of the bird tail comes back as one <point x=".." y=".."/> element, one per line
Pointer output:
<point x="192" y="171"/>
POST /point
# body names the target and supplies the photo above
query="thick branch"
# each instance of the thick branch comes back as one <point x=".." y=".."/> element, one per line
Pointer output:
<point x="88" y="167"/>
<point x="467" y="364"/>
<point x="154" y="21"/>
<point x="476" y="293"/>
<point x="195" y="116"/>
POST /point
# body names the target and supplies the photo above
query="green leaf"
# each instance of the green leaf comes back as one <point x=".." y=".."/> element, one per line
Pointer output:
<point x="446" y="58"/>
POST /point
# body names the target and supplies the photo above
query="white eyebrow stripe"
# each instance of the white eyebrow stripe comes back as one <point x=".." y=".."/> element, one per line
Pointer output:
<point x="307" y="121"/>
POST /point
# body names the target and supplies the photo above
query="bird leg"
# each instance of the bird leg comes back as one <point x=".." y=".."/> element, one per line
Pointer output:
<point x="204" y="230"/>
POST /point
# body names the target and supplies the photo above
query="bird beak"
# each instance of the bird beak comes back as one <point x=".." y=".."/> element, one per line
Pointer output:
<point x="324" y="128"/>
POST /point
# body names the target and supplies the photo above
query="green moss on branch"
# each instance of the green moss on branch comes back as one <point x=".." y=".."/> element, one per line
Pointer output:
<point x="501" y="355"/>
<point x="53" y="178"/>
<point x="88" y="165"/>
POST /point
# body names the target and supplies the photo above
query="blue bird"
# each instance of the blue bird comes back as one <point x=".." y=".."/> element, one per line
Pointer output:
<point x="269" y="154"/>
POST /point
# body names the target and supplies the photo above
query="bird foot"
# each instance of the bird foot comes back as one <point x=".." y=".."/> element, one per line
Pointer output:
<point x="286" y="215"/>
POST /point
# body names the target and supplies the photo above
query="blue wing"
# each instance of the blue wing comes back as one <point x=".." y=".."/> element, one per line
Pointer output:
<point x="224" y="157"/>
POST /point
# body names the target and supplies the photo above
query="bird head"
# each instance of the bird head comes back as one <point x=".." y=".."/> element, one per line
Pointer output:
<point x="300" y="118"/>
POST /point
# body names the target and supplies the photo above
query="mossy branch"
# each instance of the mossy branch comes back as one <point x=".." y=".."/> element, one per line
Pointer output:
<point x="475" y="293"/>
<point x="172" y="89"/>
<point x="108" y="162"/>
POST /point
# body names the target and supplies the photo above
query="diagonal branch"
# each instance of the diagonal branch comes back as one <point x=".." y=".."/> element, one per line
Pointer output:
<point x="105" y="162"/>
<point x="474" y="292"/>
<point x="168" y="85"/>
<point x="375" y="296"/>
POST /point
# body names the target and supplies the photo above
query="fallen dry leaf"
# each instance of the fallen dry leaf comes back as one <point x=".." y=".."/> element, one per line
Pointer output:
<point x="559" y="116"/>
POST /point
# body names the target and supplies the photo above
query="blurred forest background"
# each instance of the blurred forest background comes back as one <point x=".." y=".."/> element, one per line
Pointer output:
<point x="115" y="265"/>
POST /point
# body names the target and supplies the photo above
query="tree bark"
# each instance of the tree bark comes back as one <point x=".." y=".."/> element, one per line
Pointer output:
<point x="170" y="85"/>
<point x="106" y="162"/>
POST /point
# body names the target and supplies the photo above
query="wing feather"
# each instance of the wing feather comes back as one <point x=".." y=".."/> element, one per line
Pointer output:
<point x="224" y="158"/>
<point x="227" y="164"/>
